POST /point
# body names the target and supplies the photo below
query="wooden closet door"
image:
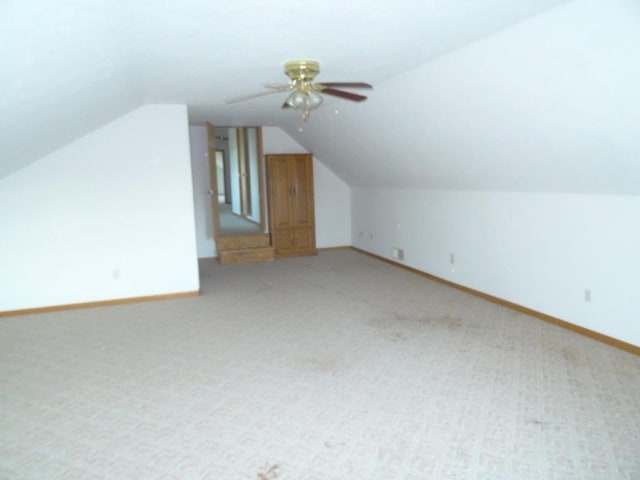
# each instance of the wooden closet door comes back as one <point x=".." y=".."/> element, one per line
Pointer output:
<point x="300" y="170"/>
<point x="280" y="189"/>
<point x="291" y="206"/>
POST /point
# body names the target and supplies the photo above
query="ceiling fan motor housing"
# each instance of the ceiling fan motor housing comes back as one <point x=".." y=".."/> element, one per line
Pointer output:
<point x="302" y="71"/>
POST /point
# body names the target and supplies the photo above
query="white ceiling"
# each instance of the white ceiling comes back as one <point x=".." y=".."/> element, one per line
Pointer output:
<point x="70" y="66"/>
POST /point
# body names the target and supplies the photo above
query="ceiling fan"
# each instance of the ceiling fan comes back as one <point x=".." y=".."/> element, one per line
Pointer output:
<point x="306" y="95"/>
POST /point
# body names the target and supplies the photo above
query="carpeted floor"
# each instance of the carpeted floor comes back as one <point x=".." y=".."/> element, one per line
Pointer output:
<point x="314" y="368"/>
<point x="231" y="224"/>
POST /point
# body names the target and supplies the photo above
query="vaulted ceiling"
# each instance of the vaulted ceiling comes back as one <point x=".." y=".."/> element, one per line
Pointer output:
<point x="527" y="95"/>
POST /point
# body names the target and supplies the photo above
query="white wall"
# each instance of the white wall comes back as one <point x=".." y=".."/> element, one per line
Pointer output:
<point x="109" y="216"/>
<point x="540" y="251"/>
<point x="333" y="208"/>
<point x="201" y="197"/>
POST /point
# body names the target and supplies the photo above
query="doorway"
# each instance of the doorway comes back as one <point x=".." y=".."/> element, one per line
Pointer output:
<point x="237" y="199"/>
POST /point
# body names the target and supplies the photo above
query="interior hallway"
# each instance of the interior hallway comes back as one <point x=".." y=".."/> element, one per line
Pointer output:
<point x="231" y="224"/>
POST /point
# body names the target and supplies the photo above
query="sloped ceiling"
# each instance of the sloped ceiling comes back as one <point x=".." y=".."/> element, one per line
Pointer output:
<point x="469" y="94"/>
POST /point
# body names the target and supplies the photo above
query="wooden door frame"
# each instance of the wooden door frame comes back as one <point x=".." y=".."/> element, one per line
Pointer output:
<point x="262" y="182"/>
<point x="213" y="180"/>
<point x="244" y="181"/>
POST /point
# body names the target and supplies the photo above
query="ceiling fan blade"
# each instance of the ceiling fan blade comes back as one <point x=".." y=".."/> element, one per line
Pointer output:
<point x="242" y="98"/>
<point x="354" y="97"/>
<point x="278" y="85"/>
<point x="346" y="84"/>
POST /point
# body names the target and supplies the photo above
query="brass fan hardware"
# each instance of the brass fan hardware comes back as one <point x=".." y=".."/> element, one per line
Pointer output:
<point x="305" y="94"/>
<point x="302" y="70"/>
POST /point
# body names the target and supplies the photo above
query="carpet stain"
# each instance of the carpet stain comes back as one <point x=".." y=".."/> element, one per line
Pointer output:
<point x="398" y="327"/>
<point x="505" y="347"/>
<point x="538" y="423"/>
<point x="448" y="322"/>
<point x="398" y="337"/>
<point x="320" y="365"/>
<point x="573" y="357"/>
<point x="269" y="473"/>
<point x="399" y="317"/>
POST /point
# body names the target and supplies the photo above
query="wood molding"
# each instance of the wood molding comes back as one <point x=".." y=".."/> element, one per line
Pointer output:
<point x="614" y="342"/>
<point x="100" y="303"/>
<point x="262" y="186"/>
<point x="331" y="249"/>
<point x="207" y="259"/>
<point x="213" y="180"/>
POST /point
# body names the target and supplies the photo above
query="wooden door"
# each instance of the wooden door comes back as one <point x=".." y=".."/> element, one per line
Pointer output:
<point x="291" y="206"/>
<point x="280" y="189"/>
<point x="301" y="178"/>
<point x="213" y="180"/>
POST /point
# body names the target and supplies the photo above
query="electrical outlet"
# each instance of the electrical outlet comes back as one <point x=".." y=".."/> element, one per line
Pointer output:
<point x="397" y="253"/>
<point x="452" y="259"/>
<point x="587" y="295"/>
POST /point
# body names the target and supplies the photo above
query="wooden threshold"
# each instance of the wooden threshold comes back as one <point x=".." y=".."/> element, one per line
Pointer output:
<point x="323" y="249"/>
<point x="101" y="303"/>
<point x="246" y="255"/>
<point x="614" y="342"/>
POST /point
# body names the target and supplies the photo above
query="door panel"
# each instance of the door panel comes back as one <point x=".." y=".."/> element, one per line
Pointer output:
<point x="304" y="239"/>
<point x="279" y="192"/>
<point x="302" y="213"/>
<point x="284" y="242"/>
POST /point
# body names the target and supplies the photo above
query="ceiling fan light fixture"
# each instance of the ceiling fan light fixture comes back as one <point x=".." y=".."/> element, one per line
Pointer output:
<point x="301" y="100"/>
<point x="314" y="99"/>
<point x="306" y="100"/>
<point x="306" y="95"/>
<point x="297" y="100"/>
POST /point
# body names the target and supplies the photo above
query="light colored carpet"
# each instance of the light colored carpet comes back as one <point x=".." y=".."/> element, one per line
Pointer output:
<point x="314" y="368"/>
